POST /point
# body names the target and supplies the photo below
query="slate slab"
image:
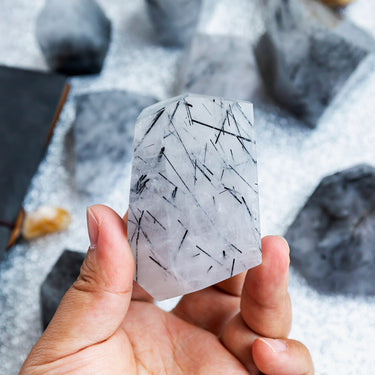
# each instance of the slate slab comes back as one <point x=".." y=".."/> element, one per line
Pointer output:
<point x="74" y="36"/>
<point x="103" y="137"/>
<point x="307" y="54"/>
<point x="332" y="238"/>
<point x="30" y="105"/>
<point x="58" y="281"/>
<point x="4" y="238"/>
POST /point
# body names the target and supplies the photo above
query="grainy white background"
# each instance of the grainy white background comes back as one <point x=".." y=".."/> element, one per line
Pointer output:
<point x="339" y="331"/>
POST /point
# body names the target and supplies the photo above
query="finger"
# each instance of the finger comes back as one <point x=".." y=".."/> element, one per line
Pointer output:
<point x="125" y="219"/>
<point x="139" y="294"/>
<point x="238" y="339"/>
<point x="94" y="307"/>
<point x="282" y="357"/>
<point x="265" y="301"/>
<point x="233" y="285"/>
<point x="209" y="309"/>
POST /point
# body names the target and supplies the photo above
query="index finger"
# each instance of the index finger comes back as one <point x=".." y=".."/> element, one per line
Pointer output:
<point x="265" y="302"/>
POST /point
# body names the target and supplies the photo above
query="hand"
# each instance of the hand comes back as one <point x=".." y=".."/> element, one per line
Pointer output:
<point x="105" y="325"/>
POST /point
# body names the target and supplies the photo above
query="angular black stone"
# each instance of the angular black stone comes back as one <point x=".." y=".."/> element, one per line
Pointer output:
<point x="103" y="137"/>
<point x="58" y="281"/>
<point x="29" y="104"/>
<point x="219" y="65"/>
<point x="74" y="36"/>
<point x="174" y="21"/>
<point x="307" y="54"/>
<point x="332" y="240"/>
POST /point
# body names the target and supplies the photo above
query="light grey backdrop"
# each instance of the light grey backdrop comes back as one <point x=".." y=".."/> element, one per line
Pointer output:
<point x="339" y="331"/>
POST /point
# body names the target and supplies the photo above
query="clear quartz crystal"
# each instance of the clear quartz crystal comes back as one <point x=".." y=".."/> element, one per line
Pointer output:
<point x="193" y="212"/>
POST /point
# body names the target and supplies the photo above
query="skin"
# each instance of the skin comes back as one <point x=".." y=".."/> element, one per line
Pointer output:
<point x="106" y="324"/>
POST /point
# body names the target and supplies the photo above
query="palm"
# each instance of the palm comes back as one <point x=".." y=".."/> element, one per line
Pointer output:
<point x="163" y="343"/>
<point x="105" y="325"/>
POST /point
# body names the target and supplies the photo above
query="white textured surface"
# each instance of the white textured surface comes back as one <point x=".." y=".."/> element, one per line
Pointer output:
<point x="193" y="210"/>
<point x="339" y="331"/>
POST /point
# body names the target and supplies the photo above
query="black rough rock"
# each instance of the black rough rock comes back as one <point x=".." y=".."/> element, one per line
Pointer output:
<point x="332" y="240"/>
<point x="219" y="65"/>
<point x="307" y="54"/>
<point x="103" y="137"/>
<point x="74" y="36"/>
<point x="58" y="281"/>
<point x="174" y="21"/>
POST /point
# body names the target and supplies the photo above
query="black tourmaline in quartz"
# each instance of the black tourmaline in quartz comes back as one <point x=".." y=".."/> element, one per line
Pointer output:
<point x="174" y="21"/>
<point x="74" y="36"/>
<point x="307" y="54"/>
<point x="332" y="240"/>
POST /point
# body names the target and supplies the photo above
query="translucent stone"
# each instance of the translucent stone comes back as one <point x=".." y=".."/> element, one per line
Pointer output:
<point x="45" y="220"/>
<point x="193" y="212"/>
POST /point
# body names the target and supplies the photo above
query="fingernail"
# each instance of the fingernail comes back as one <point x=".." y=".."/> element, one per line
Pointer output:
<point x="277" y="346"/>
<point x="92" y="227"/>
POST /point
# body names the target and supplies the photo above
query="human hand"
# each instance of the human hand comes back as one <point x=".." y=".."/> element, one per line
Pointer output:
<point x="107" y="325"/>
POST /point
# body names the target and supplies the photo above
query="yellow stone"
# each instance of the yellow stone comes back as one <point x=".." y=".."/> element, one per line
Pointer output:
<point x="337" y="3"/>
<point x="45" y="220"/>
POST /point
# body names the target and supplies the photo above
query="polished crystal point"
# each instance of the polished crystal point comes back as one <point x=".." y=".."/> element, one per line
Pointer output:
<point x="193" y="212"/>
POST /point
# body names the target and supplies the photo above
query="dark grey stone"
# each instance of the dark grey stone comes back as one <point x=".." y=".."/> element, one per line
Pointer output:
<point x="332" y="240"/>
<point x="307" y="54"/>
<point x="58" y="281"/>
<point x="103" y="137"/>
<point x="74" y="36"/>
<point x="174" y="21"/>
<point x="218" y="65"/>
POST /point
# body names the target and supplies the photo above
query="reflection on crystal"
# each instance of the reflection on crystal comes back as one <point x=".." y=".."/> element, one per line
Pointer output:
<point x="193" y="214"/>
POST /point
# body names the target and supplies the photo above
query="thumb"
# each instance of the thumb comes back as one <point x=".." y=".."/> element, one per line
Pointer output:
<point x="96" y="304"/>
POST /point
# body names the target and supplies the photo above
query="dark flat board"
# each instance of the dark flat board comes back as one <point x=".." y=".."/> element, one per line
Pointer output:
<point x="28" y="107"/>
<point x="4" y="237"/>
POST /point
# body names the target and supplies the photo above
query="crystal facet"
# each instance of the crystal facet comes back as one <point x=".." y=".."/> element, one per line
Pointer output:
<point x="193" y="213"/>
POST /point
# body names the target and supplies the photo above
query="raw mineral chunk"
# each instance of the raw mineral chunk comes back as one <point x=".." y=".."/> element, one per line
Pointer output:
<point x="103" y="137"/>
<point x="332" y="239"/>
<point x="174" y="21"/>
<point x="74" y="36"/>
<point x="219" y="65"/>
<point x="58" y="281"/>
<point x="337" y="3"/>
<point x="45" y="220"/>
<point x="307" y="54"/>
<point x="193" y="213"/>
